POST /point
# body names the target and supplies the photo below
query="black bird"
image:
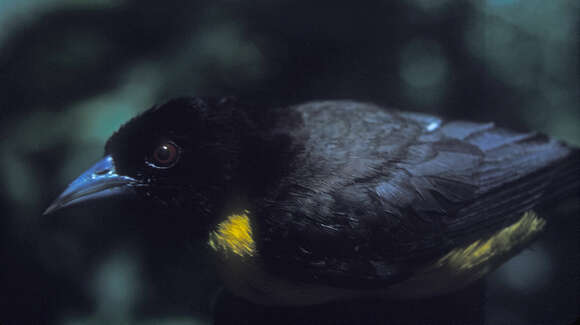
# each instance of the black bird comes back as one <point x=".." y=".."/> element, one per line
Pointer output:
<point x="335" y="200"/>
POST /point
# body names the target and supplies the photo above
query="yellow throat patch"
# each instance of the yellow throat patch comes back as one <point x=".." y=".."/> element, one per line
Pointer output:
<point x="483" y="255"/>
<point x="234" y="236"/>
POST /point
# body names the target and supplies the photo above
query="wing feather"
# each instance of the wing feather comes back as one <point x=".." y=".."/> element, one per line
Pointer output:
<point x="440" y="186"/>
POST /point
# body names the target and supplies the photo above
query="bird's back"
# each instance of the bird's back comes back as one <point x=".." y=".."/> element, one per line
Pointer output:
<point x="375" y="196"/>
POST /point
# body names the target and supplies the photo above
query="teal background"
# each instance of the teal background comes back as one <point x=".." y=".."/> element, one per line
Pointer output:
<point x="71" y="72"/>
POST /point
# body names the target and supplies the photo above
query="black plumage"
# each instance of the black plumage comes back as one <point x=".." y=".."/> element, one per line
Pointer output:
<point x="348" y="197"/>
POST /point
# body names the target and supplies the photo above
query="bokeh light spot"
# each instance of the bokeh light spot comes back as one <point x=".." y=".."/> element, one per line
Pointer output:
<point x="422" y="64"/>
<point x="501" y="2"/>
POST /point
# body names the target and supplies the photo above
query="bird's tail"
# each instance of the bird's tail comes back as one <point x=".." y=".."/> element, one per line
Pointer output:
<point x="565" y="181"/>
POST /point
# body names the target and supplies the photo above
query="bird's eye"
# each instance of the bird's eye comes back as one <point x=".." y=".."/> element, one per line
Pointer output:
<point x="164" y="155"/>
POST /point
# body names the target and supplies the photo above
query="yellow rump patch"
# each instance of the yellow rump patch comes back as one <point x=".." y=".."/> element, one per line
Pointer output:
<point x="234" y="236"/>
<point x="483" y="255"/>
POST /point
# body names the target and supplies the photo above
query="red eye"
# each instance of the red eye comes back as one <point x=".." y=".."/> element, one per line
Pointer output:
<point x="165" y="155"/>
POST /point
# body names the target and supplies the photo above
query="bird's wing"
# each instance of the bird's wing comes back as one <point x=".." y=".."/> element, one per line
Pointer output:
<point x="448" y="184"/>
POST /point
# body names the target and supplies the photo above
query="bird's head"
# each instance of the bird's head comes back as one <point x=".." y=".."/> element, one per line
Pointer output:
<point x="184" y="157"/>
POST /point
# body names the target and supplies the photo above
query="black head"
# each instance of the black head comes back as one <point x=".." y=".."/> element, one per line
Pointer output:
<point x="184" y="156"/>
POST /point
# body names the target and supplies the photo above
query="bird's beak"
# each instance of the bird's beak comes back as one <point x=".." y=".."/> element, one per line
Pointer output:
<point x="98" y="182"/>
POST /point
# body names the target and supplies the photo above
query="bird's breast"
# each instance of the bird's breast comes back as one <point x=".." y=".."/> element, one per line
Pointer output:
<point x="242" y="270"/>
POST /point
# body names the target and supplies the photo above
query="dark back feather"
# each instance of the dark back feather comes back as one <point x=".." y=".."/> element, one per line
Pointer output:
<point x="374" y="193"/>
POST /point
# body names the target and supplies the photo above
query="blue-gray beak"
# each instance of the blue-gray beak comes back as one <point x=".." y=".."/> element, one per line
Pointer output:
<point x="99" y="181"/>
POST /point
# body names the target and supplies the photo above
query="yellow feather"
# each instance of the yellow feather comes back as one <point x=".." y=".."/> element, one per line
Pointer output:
<point x="478" y="254"/>
<point x="234" y="236"/>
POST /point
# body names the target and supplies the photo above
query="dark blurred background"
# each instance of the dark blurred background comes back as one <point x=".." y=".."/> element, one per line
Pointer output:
<point x="72" y="71"/>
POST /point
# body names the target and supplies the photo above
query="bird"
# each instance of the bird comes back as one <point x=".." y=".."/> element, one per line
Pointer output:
<point x="334" y="200"/>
